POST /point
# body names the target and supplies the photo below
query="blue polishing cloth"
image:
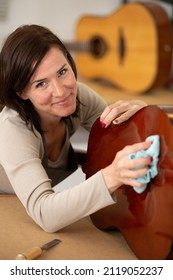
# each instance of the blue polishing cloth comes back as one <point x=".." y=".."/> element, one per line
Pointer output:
<point x="153" y="151"/>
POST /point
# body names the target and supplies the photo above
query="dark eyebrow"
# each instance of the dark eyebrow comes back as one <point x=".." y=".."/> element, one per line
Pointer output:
<point x="44" y="79"/>
<point x="38" y="81"/>
<point x="62" y="67"/>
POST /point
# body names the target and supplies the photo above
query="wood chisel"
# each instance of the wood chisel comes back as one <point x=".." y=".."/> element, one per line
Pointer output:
<point x="36" y="251"/>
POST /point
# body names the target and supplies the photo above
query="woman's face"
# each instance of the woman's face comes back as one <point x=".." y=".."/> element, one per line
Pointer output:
<point x="52" y="89"/>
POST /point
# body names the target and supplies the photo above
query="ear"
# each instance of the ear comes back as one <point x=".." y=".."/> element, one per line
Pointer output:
<point x="22" y="95"/>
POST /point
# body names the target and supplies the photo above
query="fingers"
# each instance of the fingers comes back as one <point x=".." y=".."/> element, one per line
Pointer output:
<point x="124" y="116"/>
<point x="108" y="115"/>
<point x="114" y="110"/>
<point x="133" y="169"/>
<point x="131" y="175"/>
<point x="120" y="111"/>
<point x="130" y="149"/>
<point x="130" y="108"/>
<point x="125" y="170"/>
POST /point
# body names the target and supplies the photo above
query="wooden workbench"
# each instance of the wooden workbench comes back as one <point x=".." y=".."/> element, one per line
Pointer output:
<point x="80" y="241"/>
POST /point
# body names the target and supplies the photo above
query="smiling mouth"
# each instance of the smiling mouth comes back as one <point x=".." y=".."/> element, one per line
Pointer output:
<point x="62" y="102"/>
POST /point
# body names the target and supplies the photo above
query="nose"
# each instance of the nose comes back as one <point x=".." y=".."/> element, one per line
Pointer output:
<point x="57" y="89"/>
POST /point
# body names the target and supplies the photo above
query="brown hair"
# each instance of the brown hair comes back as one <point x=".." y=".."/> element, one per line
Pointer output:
<point x="25" y="47"/>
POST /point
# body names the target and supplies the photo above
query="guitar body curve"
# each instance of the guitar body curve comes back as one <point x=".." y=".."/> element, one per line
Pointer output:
<point x="136" y="47"/>
<point x="145" y="220"/>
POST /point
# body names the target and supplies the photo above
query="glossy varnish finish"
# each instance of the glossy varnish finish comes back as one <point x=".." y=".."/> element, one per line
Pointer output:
<point x="145" y="220"/>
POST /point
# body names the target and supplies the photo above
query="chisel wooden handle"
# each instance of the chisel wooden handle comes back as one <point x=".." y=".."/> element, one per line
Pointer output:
<point x="30" y="254"/>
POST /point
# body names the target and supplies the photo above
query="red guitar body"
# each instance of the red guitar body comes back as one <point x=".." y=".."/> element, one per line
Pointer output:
<point x="145" y="220"/>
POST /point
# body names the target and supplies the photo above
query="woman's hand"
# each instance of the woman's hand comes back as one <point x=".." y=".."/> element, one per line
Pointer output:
<point x="120" y="111"/>
<point x="123" y="170"/>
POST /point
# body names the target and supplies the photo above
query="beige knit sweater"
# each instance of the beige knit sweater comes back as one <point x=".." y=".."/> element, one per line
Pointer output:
<point x="24" y="169"/>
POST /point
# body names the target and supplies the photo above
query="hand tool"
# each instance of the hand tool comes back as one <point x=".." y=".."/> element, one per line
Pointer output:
<point x="36" y="251"/>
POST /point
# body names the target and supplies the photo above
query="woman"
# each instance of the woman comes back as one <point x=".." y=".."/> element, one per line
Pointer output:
<point x="43" y="107"/>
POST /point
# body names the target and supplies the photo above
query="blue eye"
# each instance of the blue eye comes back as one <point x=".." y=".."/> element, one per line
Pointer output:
<point x="40" y="85"/>
<point x="62" y="72"/>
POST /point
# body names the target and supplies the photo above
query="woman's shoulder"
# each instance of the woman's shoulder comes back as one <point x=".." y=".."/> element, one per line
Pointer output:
<point x="7" y="113"/>
<point x="11" y="122"/>
<point x="85" y="93"/>
<point x="9" y="118"/>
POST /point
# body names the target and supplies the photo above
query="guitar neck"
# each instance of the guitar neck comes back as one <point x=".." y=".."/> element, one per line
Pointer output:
<point x="97" y="46"/>
<point x="75" y="46"/>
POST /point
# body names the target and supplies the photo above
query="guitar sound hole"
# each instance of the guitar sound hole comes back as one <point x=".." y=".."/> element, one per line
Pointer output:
<point x="98" y="47"/>
<point x="121" y="45"/>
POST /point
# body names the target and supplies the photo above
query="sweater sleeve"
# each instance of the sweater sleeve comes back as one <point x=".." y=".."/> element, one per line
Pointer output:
<point x="20" y="156"/>
<point x="53" y="211"/>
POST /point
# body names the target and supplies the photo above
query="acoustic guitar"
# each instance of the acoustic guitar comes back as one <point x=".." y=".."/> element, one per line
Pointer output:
<point x="131" y="48"/>
<point x="144" y="219"/>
